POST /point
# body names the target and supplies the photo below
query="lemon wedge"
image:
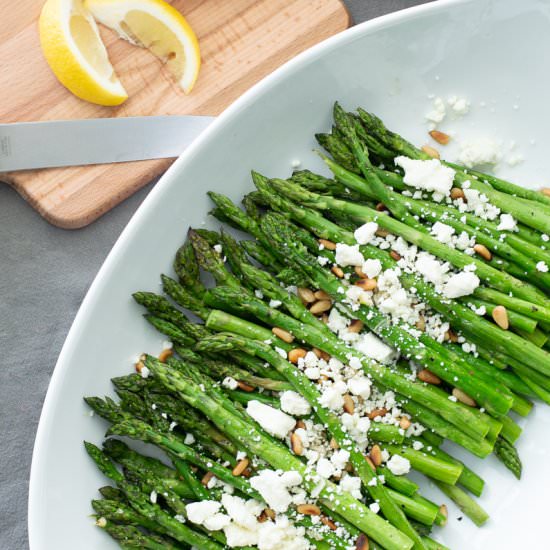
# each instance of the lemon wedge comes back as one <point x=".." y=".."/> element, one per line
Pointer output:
<point x="74" y="51"/>
<point x="157" y="26"/>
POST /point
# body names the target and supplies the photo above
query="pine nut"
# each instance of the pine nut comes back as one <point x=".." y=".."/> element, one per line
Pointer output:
<point x="376" y="455"/>
<point x="464" y="398"/>
<point x="545" y="191"/>
<point x="421" y="323"/>
<point x="429" y="150"/>
<point x="382" y="232"/>
<point x="356" y="326"/>
<point x="296" y="444"/>
<point x="349" y="405"/>
<point x="164" y="354"/>
<point x="366" y="284"/>
<point x="380" y="207"/>
<point x="483" y="251"/>
<point x="317" y="352"/>
<point x="270" y="513"/>
<point x="337" y="271"/>
<point x="378" y="412"/>
<point x="404" y="423"/>
<point x="140" y="363"/>
<point x="429" y="377"/>
<point x="306" y="295"/>
<point x="245" y="387"/>
<point x="329" y="523"/>
<point x="457" y="193"/>
<point x="451" y="336"/>
<point x="359" y="272"/>
<point x="440" y="137"/>
<point x="206" y="478"/>
<point x="300" y="424"/>
<point x="362" y="542"/>
<point x="320" y="307"/>
<point x="262" y="518"/>
<point x="240" y="467"/>
<point x="444" y="512"/>
<point x="395" y="255"/>
<point x="324" y="318"/>
<point x="308" y="509"/>
<point x="284" y="335"/>
<point x="321" y="295"/>
<point x="370" y="463"/>
<point x="295" y="354"/>
<point x="334" y="444"/>
<point x="329" y="245"/>
<point x="500" y="316"/>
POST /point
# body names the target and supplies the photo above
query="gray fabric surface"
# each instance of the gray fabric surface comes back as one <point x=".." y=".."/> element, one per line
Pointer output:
<point x="44" y="275"/>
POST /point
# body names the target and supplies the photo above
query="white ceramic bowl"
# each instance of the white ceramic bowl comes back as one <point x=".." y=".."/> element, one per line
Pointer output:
<point x="493" y="52"/>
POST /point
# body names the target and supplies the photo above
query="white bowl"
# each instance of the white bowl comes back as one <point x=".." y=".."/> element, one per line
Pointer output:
<point x="493" y="52"/>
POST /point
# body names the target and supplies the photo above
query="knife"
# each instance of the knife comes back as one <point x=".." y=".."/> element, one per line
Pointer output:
<point x="47" y="144"/>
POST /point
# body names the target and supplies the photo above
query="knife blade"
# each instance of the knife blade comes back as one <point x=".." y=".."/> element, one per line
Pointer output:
<point x="47" y="144"/>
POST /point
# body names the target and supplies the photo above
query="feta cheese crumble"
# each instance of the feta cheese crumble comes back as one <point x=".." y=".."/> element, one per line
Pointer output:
<point x="398" y="465"/>
<point x="461" y="284"/>
<point x="365" y="233"/>
<point x="273" y="487"/>
<point x="429" y="175"/>
<point x="293" y="403"/>
<point x="348" y="255"/>
<point x="272" y="420"/>
<point x="480" y="151"/>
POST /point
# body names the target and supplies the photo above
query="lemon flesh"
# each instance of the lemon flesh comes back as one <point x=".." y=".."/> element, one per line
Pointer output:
<point x="74" y="51"/>
<point x="157" y="26"/>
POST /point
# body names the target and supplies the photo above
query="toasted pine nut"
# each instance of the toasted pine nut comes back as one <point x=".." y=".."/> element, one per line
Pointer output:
<point x="428" y="376"/>
<point x="378" y="412"/>
<point x="464" y="398"/>
<point x="284" y="335"/>
<point x="451" y="336"/>
<point x="324" y="318"/>
<point x="429" y="150"/>
<point x="295" y="354"/>
<point x="370" y="463"/>
<point x="329" y="245"/>
<point x="545" y="191"/>
<point x="404" y="423"/>
<point x="356" y="326"/>
<point x="270" y="513"/>
<point x="262" y="518"/>
<point x="366" y="284"/>
<point x="457" y="193"/>
<point x="300" y="424"/>
<point x="500" y="316"/>
<point x="359" y="272"/>
<point x="320" y="307"/>
<point x="164" y="354"/>
<point x="421" y="323"/>
<point x="317" y="352"/>
<point x="334" y="444"/>
<point x="296" y="444"/>
<point x="321" y="295"/>
<point x="308" y="509"/>
<point x="240" y="467"/>
<point x="483" y="251"/>
<point x="444" y="512"/>
<point x="140" y="363"/>
<point x="395" y="255"/>
<point x="381" y="207"/>
<point x="329" y="523"/>
<point x="338" y="271"/>
<point x="376" y="455"/>
<point x="362" y="542"/>
<point x="206" y="478"/>
<point x="245" y="387"/>
<point x="440" y="137"/>
<point x="349" y="405"/>
<point x="382" y="232"/>
<point x="306" y="295"/>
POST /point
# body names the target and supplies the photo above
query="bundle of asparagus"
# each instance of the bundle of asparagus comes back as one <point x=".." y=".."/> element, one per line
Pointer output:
<point x="367" y="319"/>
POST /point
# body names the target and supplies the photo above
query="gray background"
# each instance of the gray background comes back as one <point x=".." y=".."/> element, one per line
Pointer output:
<point x="44" y="275"/>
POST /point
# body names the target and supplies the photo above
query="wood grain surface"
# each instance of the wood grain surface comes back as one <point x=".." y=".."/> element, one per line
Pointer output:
<point x="241" y="42"/>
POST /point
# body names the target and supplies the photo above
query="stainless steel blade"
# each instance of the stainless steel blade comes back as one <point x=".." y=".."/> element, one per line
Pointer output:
<point x="30" y="145"/>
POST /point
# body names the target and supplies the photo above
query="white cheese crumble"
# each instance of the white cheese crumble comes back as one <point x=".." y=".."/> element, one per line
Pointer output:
<point x="272" y="420"/>
<point x="293" y="403"/>
<point x="398" y="465"/>
<point x="442" y="232"/>
<point x="206" y="513"/>
<point x="480" y="151"/>
<point x="460" y="105"/>
<point x="507" y="223"/>
<point x="218" y="248"/>
<point x="437" y="113"/>
<point x="371" y="268"/>
<point x="230" y="383"/>
<point x="374" y="507"/>
<point x="189" y="439"/>
<point x="461" y="284"/>
<point x="145" y="372"/>
<point x="365" y="233"/>
<point x="348" y="255"/>
<point x="273" y="487"/>
<point x="373" y="347"/>
<point x="541" y="266"/>
<point x="429" y="175"/>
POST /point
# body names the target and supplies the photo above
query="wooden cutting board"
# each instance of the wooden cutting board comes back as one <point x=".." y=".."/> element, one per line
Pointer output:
<point x="241" y="42"/>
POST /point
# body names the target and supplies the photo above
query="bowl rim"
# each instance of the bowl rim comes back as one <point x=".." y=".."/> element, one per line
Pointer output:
<point x="152" y="200"/>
